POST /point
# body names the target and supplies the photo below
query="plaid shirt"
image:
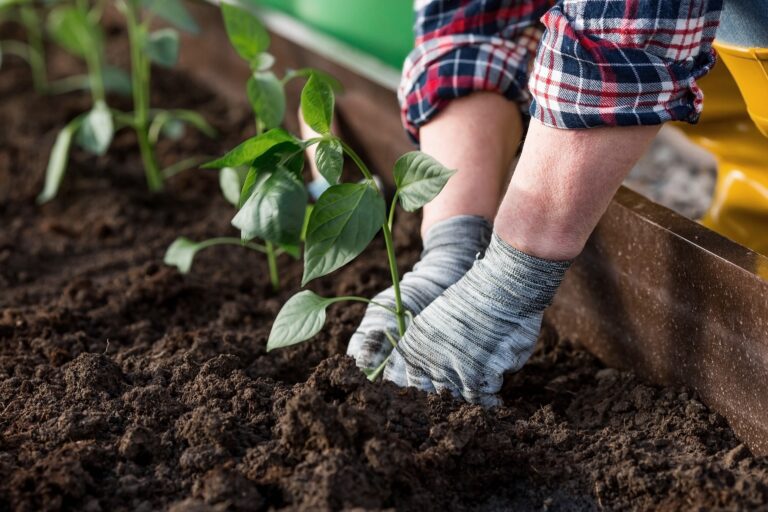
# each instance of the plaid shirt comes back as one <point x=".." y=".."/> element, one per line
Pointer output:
<point x="588" y="63"/>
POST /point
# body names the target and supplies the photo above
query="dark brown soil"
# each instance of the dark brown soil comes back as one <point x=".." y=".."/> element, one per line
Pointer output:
<point x="126" y="386"/>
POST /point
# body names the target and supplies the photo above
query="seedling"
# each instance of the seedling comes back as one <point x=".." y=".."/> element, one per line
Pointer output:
<point x="345" y="219"/>
<point x="267" y="167"/>
<point x="33" y="51"/>
<point x="76" y="28"/>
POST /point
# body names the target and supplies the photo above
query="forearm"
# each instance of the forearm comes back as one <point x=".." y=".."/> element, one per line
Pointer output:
<point x="563" y="184"/>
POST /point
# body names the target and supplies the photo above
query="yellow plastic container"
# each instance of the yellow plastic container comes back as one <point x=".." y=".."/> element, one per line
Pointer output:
<point x="733" y="127"/>
<point x="749" y="67"/>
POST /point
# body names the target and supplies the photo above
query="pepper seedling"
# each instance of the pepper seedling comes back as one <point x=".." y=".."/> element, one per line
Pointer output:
<point x="32" y="51"/>
<point x="266" y="167"/>
<point x="346" y="217"/>
<point x="76" y="28"/>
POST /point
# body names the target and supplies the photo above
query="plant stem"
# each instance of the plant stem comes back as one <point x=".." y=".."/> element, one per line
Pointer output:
<point x="140" y="81"/>
<point x="274" y="276"/>
<point x="183" y="165"/>
<point x="36" y="59"/>
<point x="388" y="241"/>
<point x="226" y="240"/>
<point x="358" y="161"/>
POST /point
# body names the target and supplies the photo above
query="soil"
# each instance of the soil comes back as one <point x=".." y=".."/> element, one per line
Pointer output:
<point x="127" y="386"/>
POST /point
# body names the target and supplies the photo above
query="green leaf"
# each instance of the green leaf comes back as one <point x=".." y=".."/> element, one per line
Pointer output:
<point x="275" y="210"/>
<point x="263" y="62"/>
<point x="73" y="31"/>
<point x="419" y="178"/>
<point x="299" y="319"/>
<point x="174" y="12"/>
<point x="317" y="104"/>
<point x="115" y="80"/>
<point x="292" y="250"/>
<point x="57" y="163"/>
<point x="162" y="47"/>
<point x="181" y="254"/>
<point x="330" y="160"/>
<point x="246" y="33"/>
<point x="267" y="97"/>
<point x="252" y="148"/>
<point x="308" y="72"/>
<point x="289" y="155"/>
<point x="342" y="224"/>
<point x="96" y="132"/>
<point x="231" y="181"/>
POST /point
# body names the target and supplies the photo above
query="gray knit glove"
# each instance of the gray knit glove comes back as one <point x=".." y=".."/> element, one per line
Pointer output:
<point x="450" y="248"/>
<point x="481" y="327"/>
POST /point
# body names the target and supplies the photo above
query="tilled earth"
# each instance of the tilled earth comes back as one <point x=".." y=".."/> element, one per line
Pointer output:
<point x="126" y="386"/>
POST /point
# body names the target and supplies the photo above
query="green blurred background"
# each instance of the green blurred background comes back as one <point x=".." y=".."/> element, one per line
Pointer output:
<point x="382" y="28"/>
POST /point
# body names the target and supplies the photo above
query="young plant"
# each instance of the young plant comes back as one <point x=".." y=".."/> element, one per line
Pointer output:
<point x="181" y="253"/>
<point x="76" y="28"/>
<point x="33" y="51"/>
<point x="266" y="167"/>
<point x="345" y="218"/>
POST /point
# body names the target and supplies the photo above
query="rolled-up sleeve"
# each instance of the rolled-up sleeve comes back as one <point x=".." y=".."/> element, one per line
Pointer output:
<point x="464" y="46"/>
<point x="621" y="62"/>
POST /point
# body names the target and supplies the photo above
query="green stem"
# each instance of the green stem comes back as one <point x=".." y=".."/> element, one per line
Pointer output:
<point x="388" y="241"/>
<point x="140" y="81"/>
<point x="392" y="209"/>
<point x="358" y="161"/>
<point x="274" y="277"/>
<point x="184" y="165"/>
<point x="354" y="298"/>
<point x="32" y="24"/>
<point x="225" y="240"/>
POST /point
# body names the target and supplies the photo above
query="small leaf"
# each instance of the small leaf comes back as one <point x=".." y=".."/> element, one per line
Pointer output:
<point x="181" y="254"/>
<point x="73" y="31"/>
<point x="263" y="62"/>
<point x="162" y="47"/>
<point x="96" y="132"/>
<point x="231" y="182"/>
<point x="289" y="155"/>
<point x="342" y="224"/>
<point x="308" y="72"/>
<point x="275" y="210"/>
<point x="267" y="97"/>
<point x="246" y="33"/>
<point x="299" y="319"/>
<point x="419" y="179"/>
<point x="57" y="163"/>
<point x="116" y="80"/>
<point x="174" y="12"/>
<point x="173" y="129"/>
<point x="317" y="104"/>
<point x="252" y="148"/>
<point x="330" y="160"/>
<point x="292" y="250"/>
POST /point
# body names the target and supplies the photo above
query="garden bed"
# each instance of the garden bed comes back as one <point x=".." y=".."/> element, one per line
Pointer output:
<point x="127" y="386"/>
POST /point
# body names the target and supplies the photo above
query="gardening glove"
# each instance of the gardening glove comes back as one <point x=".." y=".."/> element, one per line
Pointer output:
<point x="481" y="327"/>
<point x="450" y="248"/>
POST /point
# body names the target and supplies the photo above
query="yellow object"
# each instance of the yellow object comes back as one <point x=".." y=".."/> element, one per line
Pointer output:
<point x="749" y="67"/>
<point x="730" y="128"/>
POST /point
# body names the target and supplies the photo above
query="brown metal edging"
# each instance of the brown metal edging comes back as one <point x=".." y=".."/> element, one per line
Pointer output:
<point x="661" y="295"/>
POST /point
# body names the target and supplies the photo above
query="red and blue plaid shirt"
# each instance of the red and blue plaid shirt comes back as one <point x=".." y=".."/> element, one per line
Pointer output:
<point x="574" y="64"/>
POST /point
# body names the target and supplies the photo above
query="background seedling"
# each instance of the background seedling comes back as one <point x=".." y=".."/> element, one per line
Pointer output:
<point x="266" y="168"/>
<point x="32" y="51"/>
<point x="346" y="217"/>
<point x="76" y="28"/>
